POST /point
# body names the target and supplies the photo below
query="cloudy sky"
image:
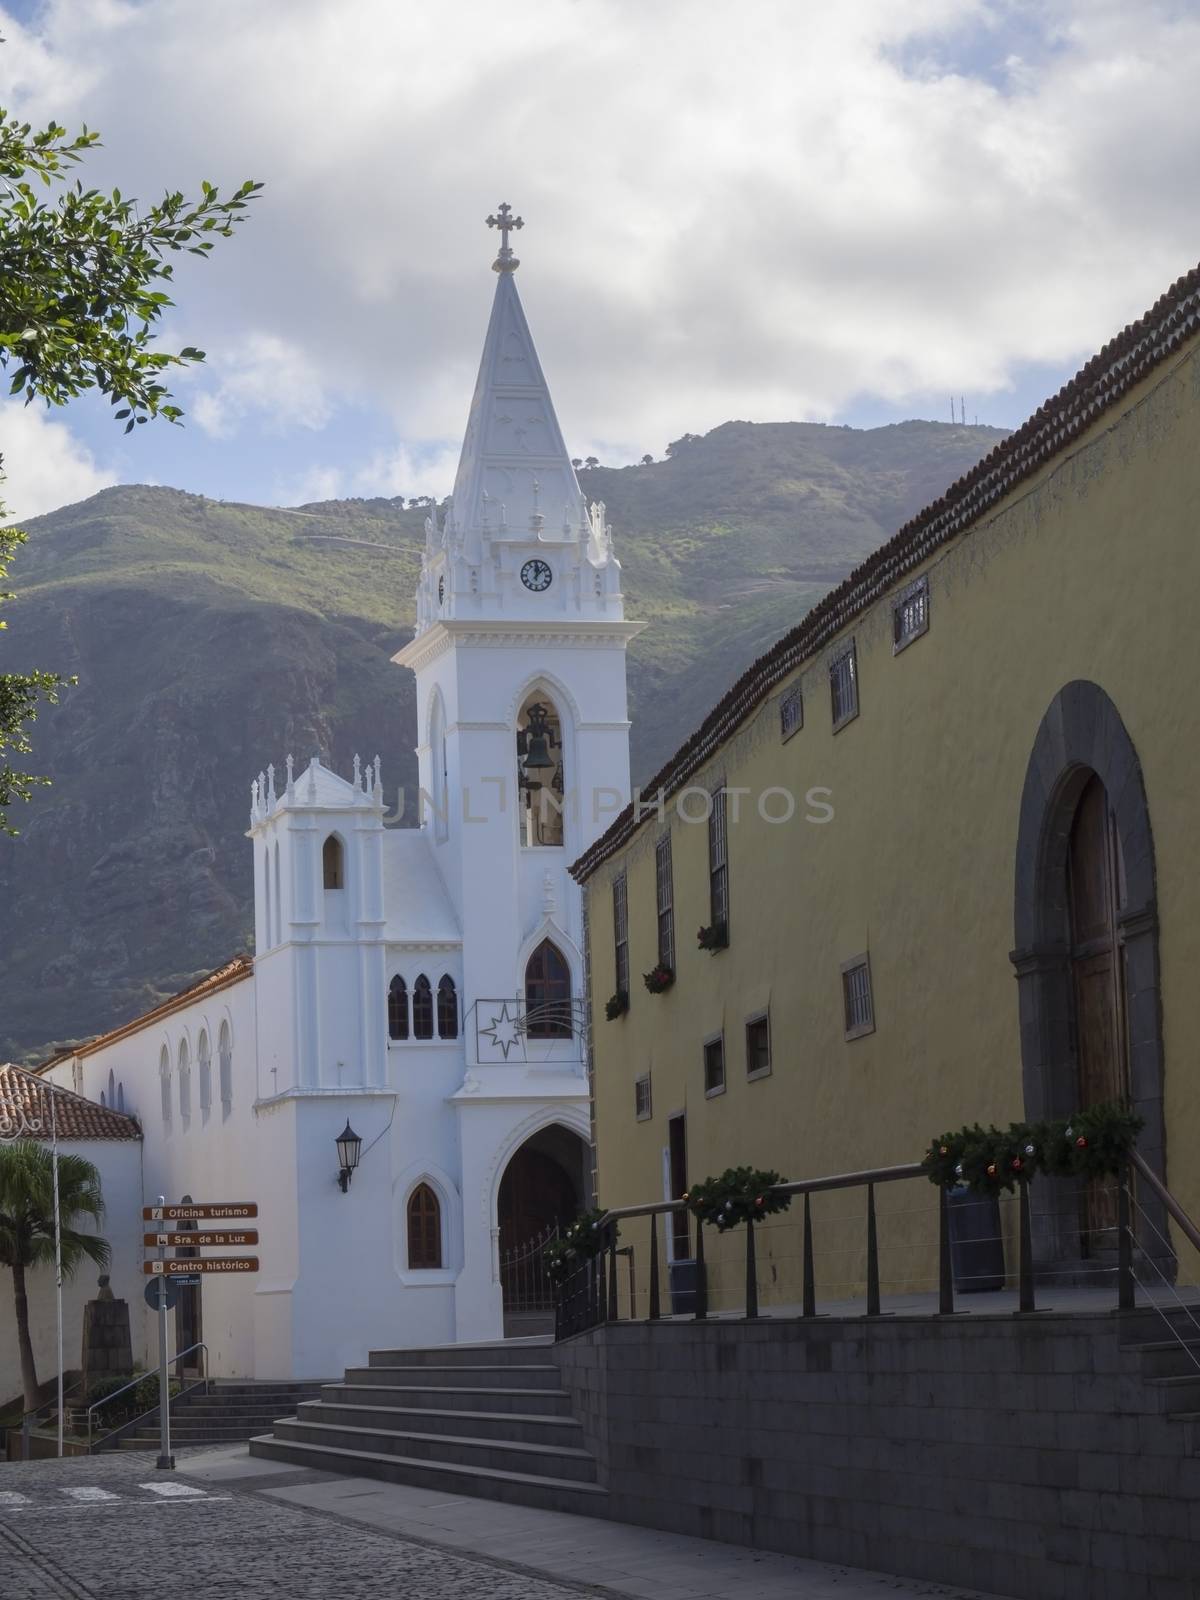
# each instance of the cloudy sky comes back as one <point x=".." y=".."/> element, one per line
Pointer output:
<point x="762" y="209"/>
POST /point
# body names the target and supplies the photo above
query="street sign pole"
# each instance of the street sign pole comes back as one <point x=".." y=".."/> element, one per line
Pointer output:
<point x="165" y="1458"/>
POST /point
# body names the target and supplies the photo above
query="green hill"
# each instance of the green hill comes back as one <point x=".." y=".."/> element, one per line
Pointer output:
<point x="211" y="638"/>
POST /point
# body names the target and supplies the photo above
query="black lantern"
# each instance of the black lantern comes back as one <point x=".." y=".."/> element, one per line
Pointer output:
<point x="537" y="756"/>
<point x="349" y="1148"/>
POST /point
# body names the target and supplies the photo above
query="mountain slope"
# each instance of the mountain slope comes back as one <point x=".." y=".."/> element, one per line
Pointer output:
<point x="210" y="639"/>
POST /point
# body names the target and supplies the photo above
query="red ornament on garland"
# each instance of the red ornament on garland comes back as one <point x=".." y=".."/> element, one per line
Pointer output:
<point x="1081" y="1143"/>
<point x="1017" y="1163"/>
<point x="759" y="1200"/>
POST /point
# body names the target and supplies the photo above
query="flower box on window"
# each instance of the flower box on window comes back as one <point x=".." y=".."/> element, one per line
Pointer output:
<point x="714" y="938"/>
<point x="616" y="1005"/>
<point x="658" y="979"/>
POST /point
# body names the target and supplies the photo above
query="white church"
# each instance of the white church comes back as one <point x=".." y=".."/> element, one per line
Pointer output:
<point x="419" y="987"/>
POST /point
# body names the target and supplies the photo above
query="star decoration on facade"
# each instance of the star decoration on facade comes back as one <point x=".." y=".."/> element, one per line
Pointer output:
<point x="504" y="1031"/>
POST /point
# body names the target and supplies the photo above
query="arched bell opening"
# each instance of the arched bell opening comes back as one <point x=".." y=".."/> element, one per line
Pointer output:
<point x="541" y="771"/>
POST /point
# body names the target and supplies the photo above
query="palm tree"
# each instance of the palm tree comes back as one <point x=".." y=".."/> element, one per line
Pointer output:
<point x="27" y="1228"/>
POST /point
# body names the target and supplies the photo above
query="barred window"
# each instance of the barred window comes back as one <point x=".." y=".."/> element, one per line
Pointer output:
<point x="758" y="1047"/>
<point x="641" y="1098"/>
<point x="621" y="933"/>
<point x="843" y="686"/>
<point x="666" y="903"/>
<point x="424" y="1230"/>
<point x="791" y="714"/>
<point x="714" y="1065"/>
<point x="857" y="1001"/>
<point x="910" y="614"/>
<point x="718" y="863"/>
<point x="447" y="1008"/>
<point x="397" y="1008"/>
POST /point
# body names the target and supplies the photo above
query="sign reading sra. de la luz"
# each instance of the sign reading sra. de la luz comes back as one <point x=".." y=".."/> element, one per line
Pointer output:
<point x="206" y="1239"/>
<point x="237" y="1211"/>
<point x="184" y="1268"/>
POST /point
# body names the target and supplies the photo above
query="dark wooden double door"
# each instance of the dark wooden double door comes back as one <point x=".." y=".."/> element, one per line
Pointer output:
<point x="1095" y="892"/>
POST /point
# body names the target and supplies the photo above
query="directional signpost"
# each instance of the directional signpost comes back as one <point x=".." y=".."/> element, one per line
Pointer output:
<point x="167" y="1277"/>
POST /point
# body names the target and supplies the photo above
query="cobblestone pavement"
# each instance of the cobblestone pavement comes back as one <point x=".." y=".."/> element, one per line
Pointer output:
<point x="114" y="1529"/>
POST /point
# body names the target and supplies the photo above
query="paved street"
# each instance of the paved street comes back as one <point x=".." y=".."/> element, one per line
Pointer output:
<point x="226" y="1527"/>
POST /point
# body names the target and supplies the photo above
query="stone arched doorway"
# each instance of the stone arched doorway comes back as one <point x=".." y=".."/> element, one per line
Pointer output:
<point x="1086" y="952"/>
<point x="543" y="1186"/>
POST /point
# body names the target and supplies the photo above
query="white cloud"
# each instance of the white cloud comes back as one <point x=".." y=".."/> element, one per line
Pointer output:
<point x="265" y="378"/>
<point x="758" y="211"/>
<point x="44" y="464"/>
<point x="408" y="472"/>
<point x="317" y="483"/>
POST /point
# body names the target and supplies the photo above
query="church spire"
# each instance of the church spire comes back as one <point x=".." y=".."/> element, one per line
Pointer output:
<point x="515" y="480"/>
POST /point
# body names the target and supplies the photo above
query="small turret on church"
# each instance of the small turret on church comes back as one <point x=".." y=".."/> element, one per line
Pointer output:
<point x="319" y="922"/>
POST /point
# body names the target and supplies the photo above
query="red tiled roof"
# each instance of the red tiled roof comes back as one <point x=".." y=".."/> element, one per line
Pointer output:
<point x="1094" y="390"/>
<point x="233" y="971"/>
<point x="25" y="1111"/>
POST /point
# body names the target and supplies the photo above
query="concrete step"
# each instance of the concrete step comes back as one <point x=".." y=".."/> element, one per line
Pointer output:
<point x="543" y="1376"/>
<point x="510" y="1352"/>
<point x="568" y="1463"/>
<point x="506" y="1375"/>
<point x="147" y="1438"/>
<point x="542" y="1402"/>
<point x="511" y="1426"/>
<point x="233" y="1389"/>
<point x="1168" y="1358"/>
<point x="485" y="1483"/>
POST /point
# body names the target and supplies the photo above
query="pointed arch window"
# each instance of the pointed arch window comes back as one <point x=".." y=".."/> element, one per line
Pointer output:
<point x="204" y="1058"/>
<point x="121" y="1096"/>
<point x="185" y="1081"/>
<point x="333" y="863"/>
<point x="112" y="1087"/>
<point x="397" y="1008"/>
<point x="422" y="1008"/>
<point x="424" y="1230"/>
<point x="548" y="993"/>
<point x="164" y="1077"/>
<point x="447" y="1008"/>
<point x="225" y="1063"/>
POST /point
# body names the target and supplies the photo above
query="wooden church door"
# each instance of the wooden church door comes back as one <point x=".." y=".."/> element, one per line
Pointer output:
<point x="1098" y="987"/>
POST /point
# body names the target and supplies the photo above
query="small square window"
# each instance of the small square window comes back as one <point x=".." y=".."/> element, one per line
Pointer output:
<point x="791" y="714"/>
<point x="858" y="1004"/>
<point x="641" y="1098"/>
<point x="843" y="687"/>
<point x="714" y="1065"/>
<point x="758" y="1047"/>
<point x="910" y="614"/>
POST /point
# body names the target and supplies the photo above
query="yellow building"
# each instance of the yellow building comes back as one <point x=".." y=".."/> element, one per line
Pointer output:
<point x="950" y="825"/>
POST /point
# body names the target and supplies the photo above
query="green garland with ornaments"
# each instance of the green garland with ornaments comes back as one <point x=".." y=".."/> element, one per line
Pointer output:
<point x="1091" y="1144"/>
<point x="740" y="1194"/>
<point x="581" y="1241"/>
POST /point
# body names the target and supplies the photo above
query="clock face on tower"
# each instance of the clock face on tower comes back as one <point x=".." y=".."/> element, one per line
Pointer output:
<point x="536" y="575"/>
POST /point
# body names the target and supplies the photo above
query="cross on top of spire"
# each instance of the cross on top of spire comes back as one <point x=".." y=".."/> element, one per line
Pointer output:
<point x="506" y="222"/>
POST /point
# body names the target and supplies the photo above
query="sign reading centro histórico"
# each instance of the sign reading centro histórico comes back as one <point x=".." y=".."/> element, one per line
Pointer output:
<point x="200" y="1213"/>
<point x="184" y="1269"/>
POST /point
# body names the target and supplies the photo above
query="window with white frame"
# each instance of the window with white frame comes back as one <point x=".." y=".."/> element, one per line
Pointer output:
<point x="204" y="1061"/>
<point x="718" y="863"/>
<point x="714" y="1065"/>
<point x="791" y="714"/>
<point x="843" y="686"/>
<point x="641" y="1098"/>
<point x="185" y="1081"/>
<point x="665" y="893"/>
<point x="164" y="1075"/>
<point x="858" y="1003"/>
<point x="910" y="614"/>
<point x="758" y="1046"/>
<point x="621" y="933"/>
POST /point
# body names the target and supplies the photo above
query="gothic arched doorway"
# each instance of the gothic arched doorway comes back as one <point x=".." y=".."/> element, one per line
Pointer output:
<point x="543" y="1187"/>
<point x="1086" y="956"/>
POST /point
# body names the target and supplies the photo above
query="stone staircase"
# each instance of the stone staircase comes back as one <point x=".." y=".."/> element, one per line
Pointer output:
<point x="1167" y="1350"/>
<point x="489" y="1420"/>
<point x="229" y="1413"/>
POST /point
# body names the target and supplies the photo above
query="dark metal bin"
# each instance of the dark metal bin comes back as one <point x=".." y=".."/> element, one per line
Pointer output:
<point x="976" y="1243"/>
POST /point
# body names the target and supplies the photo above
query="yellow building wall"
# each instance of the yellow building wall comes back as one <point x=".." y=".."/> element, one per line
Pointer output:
<point x="1090" y="571"/>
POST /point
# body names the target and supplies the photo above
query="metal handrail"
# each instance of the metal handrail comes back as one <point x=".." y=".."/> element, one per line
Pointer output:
<point x="1187" y="1227"/>
<point x="841" y="1180"/>
<point x="141" y="1378"/>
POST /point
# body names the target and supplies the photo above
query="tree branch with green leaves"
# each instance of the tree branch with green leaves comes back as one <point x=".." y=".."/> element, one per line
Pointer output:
<point x="84" y="278"/>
